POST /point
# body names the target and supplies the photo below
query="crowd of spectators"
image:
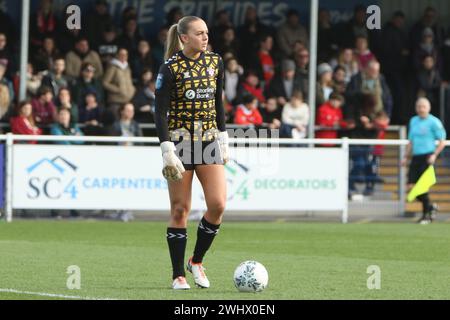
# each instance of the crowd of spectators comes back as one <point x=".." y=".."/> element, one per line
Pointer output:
<point x="101" y="80"/>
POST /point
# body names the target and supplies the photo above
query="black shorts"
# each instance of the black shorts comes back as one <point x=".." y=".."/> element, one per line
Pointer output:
<point x="417" y="167"/>
<point x="193" y="153"/>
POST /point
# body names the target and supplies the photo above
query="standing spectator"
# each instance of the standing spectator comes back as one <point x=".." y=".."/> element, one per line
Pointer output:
<point x="221" y="22"/>
<point x="144" y="102"/>
<point x="232" y="73"/>
<point x="143" y="59"/>
<point x="362" y="52"/>
<point x="80" y="55"/>
<point x="302" y="71"/>
<point x="7" y="25"/>
<point x="227" y="42"/>
<point x="446" y="55"/>
<point x="130" y="37"/>
<point x="64" y="126"/>
<point x="56" y="78"/>
<point x="372" y="81"/>
<point x="271" y="114"/>
<point x="249" y="33"/>
<point x="339" y="83"/>
<point x="428" y="20"/>
<point x="295" y="117"/>
<point x="64" y="101"/>
<point x="97" y="22"/>
<point x="347" y="60"/>
<point x="349" y="31"/>
<point x="6" y="91"/>
<point x="330" y="115"/>
<point x="46" y="55"/>
<point x="426" y="47"/>
<point x="6" y="55"/>
<point x="173" y="16"/>
<point x="42" y="24"/>
<point x="326" y="37"/>
<point x="44" y="109"/>
<point x="282" y="85"/>
<point x="23" y="121"/>
<point x="108" y="45"/>
<point x="325" y="83"/>
<point x="247" y="113"/>
<point x="86" y="83"/>
<point x="118" y="81"/>
<point x="424" y="130"/>
<point x="428" y="83"/>
<point x="265" y="61"/>
<point x="91" y="115"/>
<point x="126" y="126"/>
<point x="290" y="32"/>
<point x="158" y="46"/>
<point x="250" y="85"/>
<point x="394" y="59"/>
<point x="34" y="81"/>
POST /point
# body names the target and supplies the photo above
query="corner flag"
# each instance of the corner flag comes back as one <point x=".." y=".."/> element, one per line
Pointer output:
<point x="426" y="180"/>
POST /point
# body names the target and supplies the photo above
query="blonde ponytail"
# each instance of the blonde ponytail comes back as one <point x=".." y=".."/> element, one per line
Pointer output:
<point x="173" y="42"/>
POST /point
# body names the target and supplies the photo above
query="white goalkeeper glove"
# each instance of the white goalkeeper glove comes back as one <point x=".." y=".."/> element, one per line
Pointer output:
<point x="172" y="165"/>
<point x="223" y="145"/>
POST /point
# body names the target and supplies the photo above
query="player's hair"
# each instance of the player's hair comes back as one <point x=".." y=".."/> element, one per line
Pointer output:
<point x="174" y="43"/>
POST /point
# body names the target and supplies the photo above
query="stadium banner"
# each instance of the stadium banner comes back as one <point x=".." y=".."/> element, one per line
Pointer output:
<point x="130" y="178"/>
<point x="151" y="14"/>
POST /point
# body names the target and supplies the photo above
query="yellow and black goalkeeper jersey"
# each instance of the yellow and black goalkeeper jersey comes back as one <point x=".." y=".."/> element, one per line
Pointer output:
<point x="189" y="97"/>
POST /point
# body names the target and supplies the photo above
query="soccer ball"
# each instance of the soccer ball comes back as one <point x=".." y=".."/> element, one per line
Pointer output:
<point x="250" y="276"/>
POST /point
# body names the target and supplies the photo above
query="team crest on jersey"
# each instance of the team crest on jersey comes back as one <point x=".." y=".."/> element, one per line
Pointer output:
<point x="211" y="72"/>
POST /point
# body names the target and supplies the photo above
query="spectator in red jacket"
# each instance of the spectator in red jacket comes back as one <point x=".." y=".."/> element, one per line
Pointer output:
<point x="44" y="109"/>
<point x="330" y="115"/>
<point x="23" y="122"/>
<point x="247" y="113"/>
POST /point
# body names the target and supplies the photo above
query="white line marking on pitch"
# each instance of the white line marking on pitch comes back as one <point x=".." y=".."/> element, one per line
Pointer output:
<point x="53" y="295"/>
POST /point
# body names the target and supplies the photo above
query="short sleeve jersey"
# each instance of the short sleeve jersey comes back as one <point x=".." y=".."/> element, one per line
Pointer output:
<point x="423" y="133"/>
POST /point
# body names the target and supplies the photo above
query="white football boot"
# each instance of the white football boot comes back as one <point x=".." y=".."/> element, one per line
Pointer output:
<point x="180" y="283"/>
<point x="198" y="271"/>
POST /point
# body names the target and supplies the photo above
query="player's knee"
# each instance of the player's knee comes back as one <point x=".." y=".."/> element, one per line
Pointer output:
<point x="180" y="212"/>
<point x="217" y="208"/>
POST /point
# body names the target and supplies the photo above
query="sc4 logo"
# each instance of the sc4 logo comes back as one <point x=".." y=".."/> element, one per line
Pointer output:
<point x="52" y="178"/>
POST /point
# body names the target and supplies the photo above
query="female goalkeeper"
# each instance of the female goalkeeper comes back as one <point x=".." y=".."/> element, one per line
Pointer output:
<point x="190" y="122"/>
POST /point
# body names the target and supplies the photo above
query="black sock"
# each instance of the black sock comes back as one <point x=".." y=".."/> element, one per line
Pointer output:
<point x="206" y="233"/>
<point x="177" y="239"/>
<point x="425" y="199"/>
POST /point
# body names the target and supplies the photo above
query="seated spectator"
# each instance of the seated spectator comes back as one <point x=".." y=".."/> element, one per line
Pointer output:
<point x="247" y="113"/>
<point x="362" y="52"/>
<point x="144" y="102"/>
<point x="91" y="115"/>
<point x="46" y="55"/>
<point x="347" y="60"/>
<point x="7" y="55"/>
<point x="118" y="81"/>
<point x="232" y="73"/>
<point x="295" y="117"/>
<point x="145" y="76"/>
<point x="283" y="84"/>
<point x="80" y="55"/>
<point x="250" y="85"/>
<point x="6" y="91"/>
<point x="330" y="115"/>
<point x="56" y="78"/>
<point x="23" y="121"/>
<point x="301" y="59"/>
<point x="290" y="32"/>
<point x="427" y="47"/>
<point x="271" y="114"/>
<point x="44" y="109"/>
<point x="325" y="85"/>
<point x="64" y="100"/>
<point x="108" y="45"/>
<point x="143" y="59"/>
<point x="126" y="126"/>
<point x="34" y="81"/>
<point x="339" y="83"/>
<point x="86" y="83"/>
<point x="428" y="83"/>
<point x="65" y="127"/>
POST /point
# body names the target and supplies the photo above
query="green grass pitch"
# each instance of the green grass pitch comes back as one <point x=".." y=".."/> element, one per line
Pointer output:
<point x="304" y="260"/>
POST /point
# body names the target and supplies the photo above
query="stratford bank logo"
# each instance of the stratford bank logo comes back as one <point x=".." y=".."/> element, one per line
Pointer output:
<point x="52" y="179"/>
